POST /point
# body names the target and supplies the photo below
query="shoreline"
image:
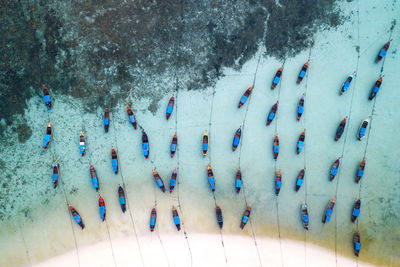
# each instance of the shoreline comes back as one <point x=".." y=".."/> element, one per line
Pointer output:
<point x="238" y="251"/>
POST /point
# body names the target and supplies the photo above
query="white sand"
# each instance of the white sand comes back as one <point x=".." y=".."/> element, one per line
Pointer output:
<point x="205" y="253"/>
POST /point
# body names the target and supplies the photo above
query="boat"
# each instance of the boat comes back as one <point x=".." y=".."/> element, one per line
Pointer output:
<point x="329" y="210"/>
<point x="300" y="179"/>
<point x="245" y="218"/>
<point x="340" y="129"/>
<point x="145" y="144"/>
<point x="376" y="88"/>
<point x="238" y="181"/>
<point x="205" y="143"/>
<point x="106" y="120"/>
<point x="55" y="174"/>
<point x="277" y="77"/>
<point x="122" y="199"/>
<point x="158" y="180"/>
<point x="210" y="176"/>
<point x="363" y="128"/>
<point x="275" y="147"/>
<point x="272" y="113"/>
<point x="76" y="216"/>
<point x="114" y="160"/>
<point x="245" y="96"/>
<point x="304" y="215"/>
<point x="95" y="179"/>
<point x="356" y="210"/>
<point x="334" y="169"/>
<point x="102" y="208"/>
<point x="347" y="83"/>
<point x="172" y="181"/>
<point x="47" y="136"/>
<point x="278" y="182"/>
<point x="131" y="116"/>
<point x="300" y="108"/>
<point x="174" y="144"/>
<point x="82" y="144"/>
<point x="357" y="243"/>
<point x="175" y="216"/>
<point x="153" y="219"/>
<point x="170" y="107"/>
<point x="236" y="138"/>
<point x="302" y="72"/>
<point x="220" y="219"/>
<point x="46" y="97"/>
<point x="300" y="143"/>
<point x="382" y="52"/>
<point x="360" y="170"/>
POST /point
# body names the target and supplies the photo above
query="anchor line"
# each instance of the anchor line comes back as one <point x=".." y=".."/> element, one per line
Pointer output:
<point x="240" y="155"/>
<point x="276" y="199"/>
<point x="53" y="155"/>
<point x="127" y="200"/>
<point x="209" y="162"/>
<point x="304" y="123"/>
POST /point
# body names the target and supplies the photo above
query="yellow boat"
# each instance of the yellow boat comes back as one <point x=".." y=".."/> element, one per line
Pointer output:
<point x="205" y="143"/>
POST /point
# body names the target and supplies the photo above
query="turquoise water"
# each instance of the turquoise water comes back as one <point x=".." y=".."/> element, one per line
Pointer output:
<point x="36" y="219"/>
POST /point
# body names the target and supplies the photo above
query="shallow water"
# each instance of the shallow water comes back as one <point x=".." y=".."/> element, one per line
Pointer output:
<point x="39" y="225"/>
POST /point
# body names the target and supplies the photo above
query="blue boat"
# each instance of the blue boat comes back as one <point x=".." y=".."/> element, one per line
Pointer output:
<point x="95" y="179"/>
<point x="102" y="208"/>
<point x="382" y="53"/>
<point x="300" y="142"/>
<point x="47" y="136"/>
<point x="220" y="219"/>
<point x="106" y="120"/>
<point x="300" y="108"/>
<point x="360" y="171"/>
<point x="245" y="96"/>
<point x="275" y="147"/>
<point x="158" y="180"/>
<point x="277" y="78"/>
<point x="334" y="170"/>
<point x="304" y="215"/>
<point x="238" y="181"/>
<point x="145" y="144"/>
<point x="55" y="174"/>
<point x="376" y="88"/>
<point x="153" y="219"/>
<point x="329" y="210"/>
<point x="82" y="144"/>
<point x="236" y="138"/>
<point x="272" y="113"/>
<point x="114" y="160"/>
<point x="122" y="199"/>
<point x="346" y="83"/>
<point x="357" y="243"/>
<point x="246" y="217"/>
<point x="356" y="210"/>
<point x="363" y="128"/>
<point x="175" y="216"/>
<point x="278" y="182"/>
<point x="300" y="178"/>
<point x="174" y="145"/>
<point x="46" y="97"/>
<point x="75" y="215"/>
<point x="172" y="181"/>
<point x="210" y="176"/>
<point x="170" y="107"/>
<point x="302" y="73"/>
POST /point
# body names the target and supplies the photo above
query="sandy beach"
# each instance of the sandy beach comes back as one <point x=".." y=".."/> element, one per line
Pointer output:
<point x="205" y="253"/>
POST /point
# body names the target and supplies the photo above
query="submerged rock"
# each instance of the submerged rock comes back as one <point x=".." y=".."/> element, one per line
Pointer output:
<point x="142" y="49"/>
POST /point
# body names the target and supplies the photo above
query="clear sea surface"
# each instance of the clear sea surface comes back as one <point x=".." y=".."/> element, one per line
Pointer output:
<point x="37" y="223"/>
